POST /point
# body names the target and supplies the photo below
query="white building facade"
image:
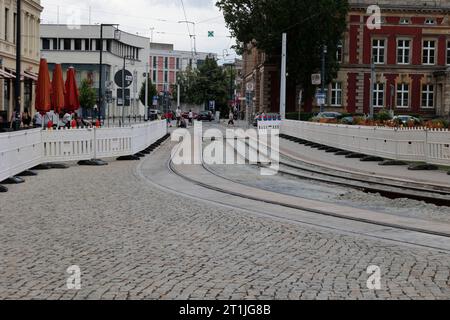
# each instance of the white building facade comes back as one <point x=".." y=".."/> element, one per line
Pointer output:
<point x="79" y="47"/>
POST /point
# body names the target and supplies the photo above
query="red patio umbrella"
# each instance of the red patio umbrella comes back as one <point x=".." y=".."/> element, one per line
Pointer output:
<point x="58" y="89"/>
<point x="43" y="89"/>
<point x="71" y="96"/>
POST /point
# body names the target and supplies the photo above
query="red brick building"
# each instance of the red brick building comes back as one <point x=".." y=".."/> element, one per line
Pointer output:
<point x="411" y="54"/>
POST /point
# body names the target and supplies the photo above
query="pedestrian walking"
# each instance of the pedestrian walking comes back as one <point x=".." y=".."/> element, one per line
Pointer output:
<point x="231" y="118"/>
<point x="178" y="115"/>
<point x="191" y="117"/>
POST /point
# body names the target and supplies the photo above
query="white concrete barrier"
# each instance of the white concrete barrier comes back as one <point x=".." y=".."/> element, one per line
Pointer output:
<point x="408" y="144"/>
<point x="20" y="151"/>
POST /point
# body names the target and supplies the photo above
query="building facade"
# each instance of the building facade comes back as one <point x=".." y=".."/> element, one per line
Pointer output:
<point x="31" y="12"/>
<point x="79" y="47"/>
<point x="410" y="53"/>
<point x="165" y="63"/>
<point x="411" y="56"/>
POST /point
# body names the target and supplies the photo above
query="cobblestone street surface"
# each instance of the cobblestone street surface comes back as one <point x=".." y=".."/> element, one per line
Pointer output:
<point x="133" y="241"/>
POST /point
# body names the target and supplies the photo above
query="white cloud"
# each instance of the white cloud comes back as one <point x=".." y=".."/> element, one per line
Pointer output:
<point x="138" y="16"/>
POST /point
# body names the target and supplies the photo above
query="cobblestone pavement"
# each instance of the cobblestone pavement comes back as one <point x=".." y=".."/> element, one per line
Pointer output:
<point x="132" y="241"/>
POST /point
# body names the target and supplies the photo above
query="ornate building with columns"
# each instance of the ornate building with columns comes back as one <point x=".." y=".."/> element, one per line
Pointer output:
<point x="31" y="12"/>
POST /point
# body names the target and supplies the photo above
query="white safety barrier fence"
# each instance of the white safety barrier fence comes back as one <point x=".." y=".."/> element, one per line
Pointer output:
<point x="407" y="144"/>
<point x="20" y="151"/>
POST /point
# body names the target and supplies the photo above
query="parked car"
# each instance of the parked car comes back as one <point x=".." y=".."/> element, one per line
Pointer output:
<point x="327" y="116"/>
<point x="405" y="119"/>
<point x="347" y="120"/>
<point x="205" y="116"/>
<point x="186" y="115"/>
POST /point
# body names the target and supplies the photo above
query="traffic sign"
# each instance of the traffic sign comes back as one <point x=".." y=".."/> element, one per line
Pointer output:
<point x="316" y="79"/>
<point x="212" y="105"/>
<point x="249" y="86"/>
<point x="118" y="78"/>
<point x="127" y="98"/>
<point x="210" y="34"/>
<point x="320" y="98"/>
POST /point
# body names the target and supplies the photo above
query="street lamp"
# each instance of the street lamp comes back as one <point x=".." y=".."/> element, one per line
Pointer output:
<point x="324" y="53"/>
<point x="100" y="84"/>
<point x="17" y="91"/>
<point x="191" y="35"/>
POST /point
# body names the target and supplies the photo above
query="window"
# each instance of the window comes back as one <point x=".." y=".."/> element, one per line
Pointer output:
<point x="67" y="44"/>
<point x="6" y="23"/>
<point x="155" y="62"/>
<point x="45" y="44"/>
<point x="178" y="62"/>
<point x="336" y="94"/>
<point x="339" y="52"/>
<point x="430" y="21"/>
<point x="429" y="52"/>
<point x="428" y="96"/>
<point x="97" y="44"/>
<point x="108" y="45"/>
<point x="166" y="76"/>
<point x="405" y="21"/>
<point x="403" y="51"/>
<point x="403" y="95"/>
<point x="14" y="27"/>
<point x="87" y="45"/>
<point x="78" y="44"/>
<point x="378" y="50"/>
<point x="166" y="63"/>
<point x="448" y="52"/>
<point x="154" y="76"/>
<point x="378" y="95"/>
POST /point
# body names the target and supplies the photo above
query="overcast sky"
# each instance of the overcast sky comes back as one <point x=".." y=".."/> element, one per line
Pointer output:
<point x="138" y="16"/>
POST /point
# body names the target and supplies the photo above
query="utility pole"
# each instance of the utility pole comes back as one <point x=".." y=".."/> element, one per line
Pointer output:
<point x="324" y="53"/>
<point x="283" y="78"/>
<point x="18" y="92"/>
<point x="100" y="77"/>
<point x="146" y="88"/>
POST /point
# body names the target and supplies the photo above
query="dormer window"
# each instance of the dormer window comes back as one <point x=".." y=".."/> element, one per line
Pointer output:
<point x="405" y="21"/>
<point x="430" y="21"/>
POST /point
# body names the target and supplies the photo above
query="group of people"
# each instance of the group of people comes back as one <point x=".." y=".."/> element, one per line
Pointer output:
<point x="178" y="115"/>
<point x="50" y="120"/>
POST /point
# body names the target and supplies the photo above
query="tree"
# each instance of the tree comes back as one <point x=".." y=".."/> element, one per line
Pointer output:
<point x="187" y="81"/>
<point x="151" y="93"/>
<point x="88" y="95"/>
<point x="309" y="25"/>
<point x="211" y="84"/>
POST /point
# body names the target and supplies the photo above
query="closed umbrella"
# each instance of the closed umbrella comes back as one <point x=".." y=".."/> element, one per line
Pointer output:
<point x="43" y="89"/>
<point x="58" y="89"/>
<point x="72" y="103"/>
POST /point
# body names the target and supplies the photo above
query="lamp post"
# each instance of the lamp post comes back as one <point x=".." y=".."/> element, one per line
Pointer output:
<point x="17" y="88"/>
<point x="100" y="84"/>
<point x="193" y="36"/>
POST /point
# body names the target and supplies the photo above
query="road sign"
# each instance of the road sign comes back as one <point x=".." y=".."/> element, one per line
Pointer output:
<point x="210" y="34"/>
<point x="155" y="101"/>
<point x="320" y="98"/>
<point x="212" y="105"/>
<point x="316" y="79"/>
<point x="118" y="78"/>
<point x="249" y="86"/>
<point x="127" y="98"/>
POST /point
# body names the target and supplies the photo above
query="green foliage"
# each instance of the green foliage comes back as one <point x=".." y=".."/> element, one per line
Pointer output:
<point x="383" y="116"/>
<point x="304" y="116"/>
<point x="151" y="93"/>
<point x="187" y="81"/>
<point x="308" y="23"/>
<point x="87" y="95"/>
